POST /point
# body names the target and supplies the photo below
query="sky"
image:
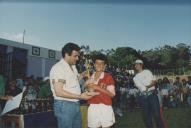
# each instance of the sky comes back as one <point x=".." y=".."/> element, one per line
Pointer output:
<point x="99" y="25"/>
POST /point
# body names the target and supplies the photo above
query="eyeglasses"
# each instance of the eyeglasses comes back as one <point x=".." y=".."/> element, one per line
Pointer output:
<point x="100" y="64"/>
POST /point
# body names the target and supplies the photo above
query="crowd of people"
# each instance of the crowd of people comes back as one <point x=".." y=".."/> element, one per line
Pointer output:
<point x="171" y="94"/>
<point x="36" y="89"/>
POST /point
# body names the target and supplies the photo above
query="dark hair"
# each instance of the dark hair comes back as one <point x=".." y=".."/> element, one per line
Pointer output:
<point x="166" y="80"/>
<point x="100" y="57"/>
<point x="68" y="48"/>
<point x="177" y="78"/>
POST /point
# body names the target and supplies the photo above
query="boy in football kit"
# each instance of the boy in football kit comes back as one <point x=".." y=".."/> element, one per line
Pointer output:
<point x="100" y="111"/>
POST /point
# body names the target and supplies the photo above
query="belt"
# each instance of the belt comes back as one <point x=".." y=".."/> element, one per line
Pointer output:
<point x="66" y="101"/>
<point x="147" y="93"/>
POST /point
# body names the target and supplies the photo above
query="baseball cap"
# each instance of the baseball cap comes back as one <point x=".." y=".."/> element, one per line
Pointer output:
<point x="138" y="62"/>
<point x="46" y="78"/>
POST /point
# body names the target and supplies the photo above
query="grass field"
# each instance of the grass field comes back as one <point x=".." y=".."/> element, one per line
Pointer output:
<point x="174" y="118"/>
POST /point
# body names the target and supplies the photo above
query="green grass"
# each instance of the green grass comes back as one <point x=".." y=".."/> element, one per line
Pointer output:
<point x="174" y="118"/>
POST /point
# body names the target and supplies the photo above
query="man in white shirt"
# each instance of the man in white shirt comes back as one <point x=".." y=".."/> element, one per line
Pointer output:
<point x="145" y="82"/>
<point x="66" y="88"/>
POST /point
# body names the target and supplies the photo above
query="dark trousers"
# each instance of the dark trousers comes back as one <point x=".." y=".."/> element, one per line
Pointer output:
<point x="150" y="105"/>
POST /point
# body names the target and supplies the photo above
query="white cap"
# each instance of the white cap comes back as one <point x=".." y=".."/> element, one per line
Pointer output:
<point x="138" y="62"/>
<point x="46" y="78"/>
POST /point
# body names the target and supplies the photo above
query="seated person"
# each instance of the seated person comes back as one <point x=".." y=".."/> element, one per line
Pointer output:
<point x="13" y="90"/>
<point x="45" y="91"/>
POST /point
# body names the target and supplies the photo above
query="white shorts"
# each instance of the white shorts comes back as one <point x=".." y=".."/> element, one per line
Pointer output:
<point x="100" y="115"/>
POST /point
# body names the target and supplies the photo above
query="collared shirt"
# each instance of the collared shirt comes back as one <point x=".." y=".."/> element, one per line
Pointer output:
<point x="143" y="79"/>
<point x="62" y="72"/>
<point x="106" y="82"/>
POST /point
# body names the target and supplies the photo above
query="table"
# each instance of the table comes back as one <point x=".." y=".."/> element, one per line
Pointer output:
<point x="37" y="120"/>
<point x="34" y="120"/>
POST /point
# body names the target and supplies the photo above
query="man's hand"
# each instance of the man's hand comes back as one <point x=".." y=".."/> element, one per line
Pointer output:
<point x="153" y="83"/>
<point x="88" y="95"/>
<point x="8" y="97"/>
<point x="92" y="93"/>
<point x="147" y="88"/>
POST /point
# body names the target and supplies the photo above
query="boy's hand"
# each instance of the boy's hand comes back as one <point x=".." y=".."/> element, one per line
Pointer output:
<point x="93" y="86"/>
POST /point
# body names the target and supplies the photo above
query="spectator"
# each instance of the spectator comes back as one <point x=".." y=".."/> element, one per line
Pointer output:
<point x="159" y="89"/>
<point x="30" y="93"/>
<point x="131" y="100"/>
<point x="166" y="87"/>
<point x="2" y="102"/>
<point x="45" y="91"/>
<point x="189" y="82"/>
<point x="13" y="90"/>
<point x="178" y="86"/>
<point x="184" y="92"/>
<point x="2" y="86"/>
<point x="123" y="96"/>
<point x="189" y="90"/>
<point x="189" y="98"/>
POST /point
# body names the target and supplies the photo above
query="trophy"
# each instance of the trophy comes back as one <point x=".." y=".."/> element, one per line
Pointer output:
<point x="87" y="66"/>
<point x="89" y="90"/>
